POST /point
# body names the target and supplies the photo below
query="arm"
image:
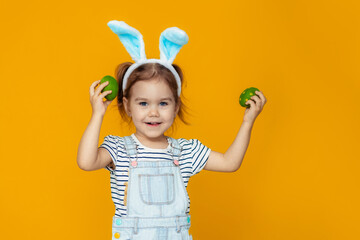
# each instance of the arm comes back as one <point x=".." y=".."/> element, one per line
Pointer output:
<point x="89" y="156"/>
<point x="232" y="159"/>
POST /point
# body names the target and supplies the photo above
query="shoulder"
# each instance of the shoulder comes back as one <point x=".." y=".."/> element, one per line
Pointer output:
<point x="195" y="154"/>
<point x="185" y="143"/>
<point x="192" y="144"/>
<point x="189" y="142"/>
<point x="113" y="141"/>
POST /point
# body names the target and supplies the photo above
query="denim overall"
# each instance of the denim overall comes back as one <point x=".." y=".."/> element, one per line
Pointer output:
<point x="156" y="199"/>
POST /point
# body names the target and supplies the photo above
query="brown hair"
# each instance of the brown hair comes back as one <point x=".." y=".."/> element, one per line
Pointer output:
<point x="146" y="72"/>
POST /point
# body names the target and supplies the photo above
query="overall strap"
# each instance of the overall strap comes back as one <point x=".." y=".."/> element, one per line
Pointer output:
<point x="176" y="147"/>
<point x="131" y="149"/>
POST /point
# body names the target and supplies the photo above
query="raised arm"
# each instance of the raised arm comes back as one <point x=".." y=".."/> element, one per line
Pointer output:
<point x="89" y="157"/>
<point x="88" y="147"/>
<point x="232" y="159"/>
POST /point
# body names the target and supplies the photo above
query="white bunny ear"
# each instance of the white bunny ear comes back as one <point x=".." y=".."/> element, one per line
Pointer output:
<point x="171" y="41"/>
<point x="130" y="38"/>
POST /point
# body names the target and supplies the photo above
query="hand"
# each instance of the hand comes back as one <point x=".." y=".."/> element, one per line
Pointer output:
<point x="96" y="99"/>
<point x="256" y="105"/>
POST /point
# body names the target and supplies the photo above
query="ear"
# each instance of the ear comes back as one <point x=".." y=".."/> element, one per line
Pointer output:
<point x="171" y="41"/>
<point x="126" y="106"/>
<point x="130" y="38"/>
<point x="177" y="108"/>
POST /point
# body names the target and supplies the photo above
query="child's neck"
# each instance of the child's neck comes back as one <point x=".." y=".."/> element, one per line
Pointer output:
<point x="159" y="142"/>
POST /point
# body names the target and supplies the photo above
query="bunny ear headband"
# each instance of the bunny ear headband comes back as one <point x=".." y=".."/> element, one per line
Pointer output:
<point x="171" y="41"/>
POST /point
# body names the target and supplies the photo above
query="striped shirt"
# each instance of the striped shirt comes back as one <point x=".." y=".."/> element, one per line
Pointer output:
<point x="193" y="159"/>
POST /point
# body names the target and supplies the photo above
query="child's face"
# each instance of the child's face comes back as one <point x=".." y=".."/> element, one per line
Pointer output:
<point x="151" y="101"/>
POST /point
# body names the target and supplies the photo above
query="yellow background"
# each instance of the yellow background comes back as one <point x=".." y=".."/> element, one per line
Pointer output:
<point x="300" y="176"/>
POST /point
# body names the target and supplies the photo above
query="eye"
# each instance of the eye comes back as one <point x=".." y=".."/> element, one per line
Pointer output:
<point x="141" y="103"/>
<point x="164" y="104"/>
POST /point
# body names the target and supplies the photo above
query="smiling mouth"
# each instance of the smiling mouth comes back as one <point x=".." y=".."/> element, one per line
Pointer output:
<point x="153" y="123"/>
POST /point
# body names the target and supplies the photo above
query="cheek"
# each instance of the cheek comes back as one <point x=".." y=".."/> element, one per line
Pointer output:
<point x="170" y="114"/>
<point x="137" y="114"/>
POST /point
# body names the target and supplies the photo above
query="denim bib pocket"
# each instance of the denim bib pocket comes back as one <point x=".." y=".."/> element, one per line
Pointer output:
<point x="157" y="189"/>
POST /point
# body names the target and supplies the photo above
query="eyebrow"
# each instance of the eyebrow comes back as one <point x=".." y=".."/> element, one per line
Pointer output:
<point x="140" y="98"/>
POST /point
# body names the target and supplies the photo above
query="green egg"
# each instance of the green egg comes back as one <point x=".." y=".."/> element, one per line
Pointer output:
<point x="246" y="95"/>
<point x="113" y="86"/>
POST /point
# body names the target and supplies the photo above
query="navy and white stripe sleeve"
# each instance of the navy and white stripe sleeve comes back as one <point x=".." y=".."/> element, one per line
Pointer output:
<point x="200" y="155"/>
<point x="110" y="144"/>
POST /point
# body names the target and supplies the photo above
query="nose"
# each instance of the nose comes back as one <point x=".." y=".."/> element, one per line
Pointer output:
<point x="153" y="112"/>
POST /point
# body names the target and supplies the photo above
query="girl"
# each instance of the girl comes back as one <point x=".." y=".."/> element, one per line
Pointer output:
<point x="150" y="171"/>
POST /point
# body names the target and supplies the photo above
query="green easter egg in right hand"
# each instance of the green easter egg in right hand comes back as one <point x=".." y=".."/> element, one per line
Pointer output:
<point x="113" y="86"/>
<point x="246" y="95"/>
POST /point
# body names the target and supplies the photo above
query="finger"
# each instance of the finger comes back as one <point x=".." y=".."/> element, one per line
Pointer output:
<point x="256" y="99"/>
<point x="261" y="96"/>
<point x="92" y="87"/>
<point x="102" y="95"/>
<point x="250" y="102"/>
<point x="101" y="87"/>
<point x="260" y="100"/>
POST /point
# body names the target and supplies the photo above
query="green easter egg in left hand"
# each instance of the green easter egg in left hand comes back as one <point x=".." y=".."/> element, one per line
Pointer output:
<point x="113" y="86"/>
<point x="246" y="95"/>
